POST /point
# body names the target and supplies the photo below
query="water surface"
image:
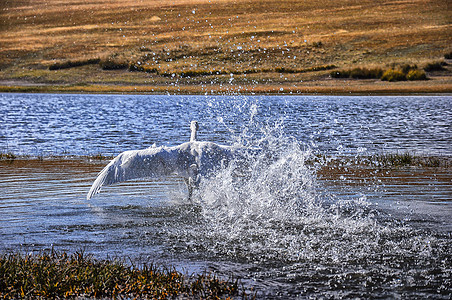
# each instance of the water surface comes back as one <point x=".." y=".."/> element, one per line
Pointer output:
<point x="44" y="124"/>
<point x="284" y="227"/>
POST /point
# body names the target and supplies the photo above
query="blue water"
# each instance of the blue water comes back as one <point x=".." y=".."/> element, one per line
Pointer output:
<point x="52" y="124"/>
<point x="282" y="227"/>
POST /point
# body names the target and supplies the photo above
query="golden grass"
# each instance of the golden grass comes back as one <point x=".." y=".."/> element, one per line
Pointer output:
<point x="328" y="88"/>
<point x="188" y="36"/>
<point x="60" y="275"/>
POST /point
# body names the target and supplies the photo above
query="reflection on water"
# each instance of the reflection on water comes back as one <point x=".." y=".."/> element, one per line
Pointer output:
<point x="284" y="222"/>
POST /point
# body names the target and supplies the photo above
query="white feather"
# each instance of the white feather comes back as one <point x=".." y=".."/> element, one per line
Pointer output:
<point x="191" y="160"/>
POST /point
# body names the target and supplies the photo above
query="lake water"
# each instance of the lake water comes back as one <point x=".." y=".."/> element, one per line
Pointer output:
<point x="286" y="229"/>
<point x="43" y="124"/>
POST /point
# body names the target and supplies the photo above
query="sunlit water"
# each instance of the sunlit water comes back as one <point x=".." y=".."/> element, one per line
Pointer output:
<point x="274" y="222"/>
<point x="44" y="124"/>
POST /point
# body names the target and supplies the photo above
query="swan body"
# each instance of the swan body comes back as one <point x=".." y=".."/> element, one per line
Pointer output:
<point x="191" y="160"/>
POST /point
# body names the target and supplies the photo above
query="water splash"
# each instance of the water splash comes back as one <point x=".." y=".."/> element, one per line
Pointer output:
<point x="269" y="207"/>
<point x="256" y="204"/>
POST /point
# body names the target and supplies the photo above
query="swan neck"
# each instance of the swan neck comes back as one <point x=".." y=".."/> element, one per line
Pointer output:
<point x="194" y="131"/>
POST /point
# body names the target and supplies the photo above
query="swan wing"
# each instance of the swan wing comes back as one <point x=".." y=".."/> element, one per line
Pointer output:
<point x="189" y="160"/>
<point x="210" y="156"/>
<point x="152" y="162"/>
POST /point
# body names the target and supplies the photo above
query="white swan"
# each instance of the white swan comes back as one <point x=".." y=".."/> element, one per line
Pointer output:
<point x="191" y="160"/>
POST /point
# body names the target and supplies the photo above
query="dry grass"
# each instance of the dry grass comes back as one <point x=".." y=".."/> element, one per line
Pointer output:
<point x="58" y="275"/>
<point x="212" y="39"/>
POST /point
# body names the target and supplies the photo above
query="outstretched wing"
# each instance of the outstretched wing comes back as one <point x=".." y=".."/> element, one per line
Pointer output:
<point x="152" y="162"/>
<point x="189" y="160"/>
<point x="211" y="157"/>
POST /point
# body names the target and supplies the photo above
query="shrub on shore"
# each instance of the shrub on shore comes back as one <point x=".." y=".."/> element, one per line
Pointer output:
<point x="135" y="67"/>
<point x="435" y="66"/>
<point x="404" y="72"/>
<point x="364" y="73"/>
<point x="100" y="156"/>
<point x="201" y="72"/>
<point x="396" y="160"/>
<point x="395" y="73"/>
<point x="73" y="63"/>
<point x="404" y="68"/>
<point x="313" y="69"/>
<point x="7" y="156"/>
<point x="392" y="75"/>
<point x="409" y="159"/>
<point x="111" y="64"/>
<point x="416" y="75"/>
<point x="340" y="74"/>
<point x="358" y="73"/>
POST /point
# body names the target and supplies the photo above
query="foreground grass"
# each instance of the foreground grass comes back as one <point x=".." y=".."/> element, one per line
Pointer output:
<point x="62" y="275"/>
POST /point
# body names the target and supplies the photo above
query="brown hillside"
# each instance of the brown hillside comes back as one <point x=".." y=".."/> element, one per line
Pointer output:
<point x="185" y="43"/>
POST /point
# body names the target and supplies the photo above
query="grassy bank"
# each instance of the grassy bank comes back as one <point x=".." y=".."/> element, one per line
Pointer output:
<point x="386" y="161"/>
<point x="197" y="46"/>
<point x="61" y="275"/>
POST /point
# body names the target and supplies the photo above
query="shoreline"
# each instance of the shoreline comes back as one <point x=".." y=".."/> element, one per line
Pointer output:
<point x="322" y="162"/>
<point x="351" y="88"/>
